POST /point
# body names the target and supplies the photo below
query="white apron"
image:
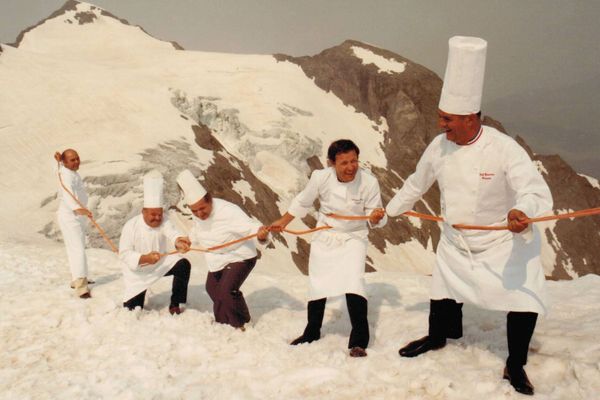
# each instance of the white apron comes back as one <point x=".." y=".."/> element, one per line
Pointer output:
<point x="72" y="226"/>
<point x="336" y="264"/>
<point x="73" y="231"/>
<point x="137" y="238"/>
<point x="507" y="277"/>
<point x="138" y="281"/>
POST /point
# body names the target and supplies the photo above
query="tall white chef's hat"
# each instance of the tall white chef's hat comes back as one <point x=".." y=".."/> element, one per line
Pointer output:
<point x="192" y="189"/>
<point x="153" y="190"/>
<point x="463" y="81"/>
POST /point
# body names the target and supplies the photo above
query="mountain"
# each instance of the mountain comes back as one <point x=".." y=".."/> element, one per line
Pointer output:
<point x="551" y="119"/>
<point x="251" y="126"/>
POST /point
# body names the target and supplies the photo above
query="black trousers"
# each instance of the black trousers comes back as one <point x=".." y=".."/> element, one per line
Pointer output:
<point x="445" y="322"/>
<point x="181" y="277"/>
<point x="223" y="287"/>
<point x="357" y="309"/>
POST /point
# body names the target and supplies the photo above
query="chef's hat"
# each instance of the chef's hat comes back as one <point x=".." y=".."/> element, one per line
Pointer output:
<point x="192" y="189"/>
<point x="463" y="81"/>
<point x="153" y="190"/>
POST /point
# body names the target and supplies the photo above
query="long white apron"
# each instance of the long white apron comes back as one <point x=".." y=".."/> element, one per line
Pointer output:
<point x="138" y="281"/>
<point x="336" y="265"/>
<point x="73" y="231"/>
<point x="508" y="276"/>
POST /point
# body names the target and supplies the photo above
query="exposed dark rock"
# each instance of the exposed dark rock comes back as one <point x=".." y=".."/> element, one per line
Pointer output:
<point x="577" y="247"/>
<point x="86" y="17"/>
<point x="314" y="163"/>
<point x="300" y="257"/>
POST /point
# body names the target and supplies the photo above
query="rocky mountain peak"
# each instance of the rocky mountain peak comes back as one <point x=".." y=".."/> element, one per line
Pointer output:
<point x="74" y="14"/>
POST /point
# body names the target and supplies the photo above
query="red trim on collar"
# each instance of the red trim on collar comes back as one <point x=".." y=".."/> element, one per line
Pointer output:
<point x="476" y="138"/>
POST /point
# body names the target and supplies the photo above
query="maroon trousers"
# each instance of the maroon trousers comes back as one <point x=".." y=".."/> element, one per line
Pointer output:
<point x="223" y="287"/>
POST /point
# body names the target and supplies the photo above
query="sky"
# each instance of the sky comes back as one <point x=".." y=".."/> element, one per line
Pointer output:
<point x="543" y="65"/>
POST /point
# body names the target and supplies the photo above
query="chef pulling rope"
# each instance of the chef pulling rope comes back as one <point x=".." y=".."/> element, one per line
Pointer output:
<point x="102" y="233"/>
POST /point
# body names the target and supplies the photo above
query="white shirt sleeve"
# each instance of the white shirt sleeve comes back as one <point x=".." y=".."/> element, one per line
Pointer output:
<point x="372" y="202"/>
<point x="533" y="196"/>
<point x="303" y="202"/>
<point x="127" y="253"/>
<point x="245" y="226"/>
<point x="415" y="185"/>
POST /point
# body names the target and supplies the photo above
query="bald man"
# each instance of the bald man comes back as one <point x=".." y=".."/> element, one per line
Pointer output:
<point x="72" y="219"/>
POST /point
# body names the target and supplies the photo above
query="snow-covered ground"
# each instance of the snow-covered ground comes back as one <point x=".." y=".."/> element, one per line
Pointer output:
<point x="55" y="345"/>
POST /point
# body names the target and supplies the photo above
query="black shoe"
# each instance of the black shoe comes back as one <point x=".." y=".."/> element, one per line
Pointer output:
<point x="358" y="352"/>
<point x="175" y="310"/>
<point x="518" y="379"/>
<point x="421" y="346"/>
<point x="304" y="339"/>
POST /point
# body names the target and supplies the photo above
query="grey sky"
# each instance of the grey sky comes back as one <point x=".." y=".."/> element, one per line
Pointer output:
<point x="543" y="67"/>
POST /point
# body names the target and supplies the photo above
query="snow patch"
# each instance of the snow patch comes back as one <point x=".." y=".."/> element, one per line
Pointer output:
<point x="244" y="189"/>
<point x="540" y="167"/>
<point x="408" y="256"/>
<point x="593" y="181"/>
<point x="385" y="65"/>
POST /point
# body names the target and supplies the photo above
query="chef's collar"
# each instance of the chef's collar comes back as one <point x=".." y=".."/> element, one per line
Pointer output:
<point x="475" y="138"/>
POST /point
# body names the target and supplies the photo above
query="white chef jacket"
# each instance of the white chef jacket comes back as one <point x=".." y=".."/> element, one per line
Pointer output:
<point x="137" y="239"/>
<point x="226" y="222"/>
<point x="479" y="183"/>
<point x="71" y="225"/>
<point x="336" y="264"/>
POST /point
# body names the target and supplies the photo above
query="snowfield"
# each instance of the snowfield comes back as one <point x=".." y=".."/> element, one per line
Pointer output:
<point x="58" y="346"/>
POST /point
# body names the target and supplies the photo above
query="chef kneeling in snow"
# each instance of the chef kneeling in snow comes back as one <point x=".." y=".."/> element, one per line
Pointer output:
<point x="336" y="264"/>
<point x="143" y="239"/>
<point x="216" y="222"/>
<point x="485" y="178"/>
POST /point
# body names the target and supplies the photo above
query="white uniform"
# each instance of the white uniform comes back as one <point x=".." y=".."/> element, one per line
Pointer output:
<point x="226" y="222"/>
<point x="337" y="256"/>
<point x="479" y="184"/>
<point x="137" y="238"/>
<point x="73" y="226"/>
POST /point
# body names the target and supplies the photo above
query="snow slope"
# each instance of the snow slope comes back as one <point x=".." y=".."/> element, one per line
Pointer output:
<point x="113" y="92"/>
<point x="57" y="346"/>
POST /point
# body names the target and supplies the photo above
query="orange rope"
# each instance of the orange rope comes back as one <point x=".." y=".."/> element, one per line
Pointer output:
<point x="102" y="233"/>
<point x="243" y="239"/>
<point x="574" y="214"/>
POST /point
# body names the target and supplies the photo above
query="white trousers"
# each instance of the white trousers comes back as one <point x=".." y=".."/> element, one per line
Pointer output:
<point x="73" y="231"/>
